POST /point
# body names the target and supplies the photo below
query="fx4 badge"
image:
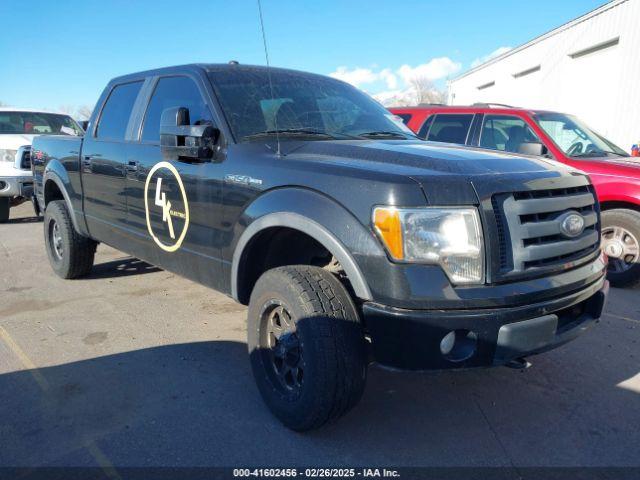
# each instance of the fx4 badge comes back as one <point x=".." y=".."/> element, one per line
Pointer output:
<point x="167" y="208"/>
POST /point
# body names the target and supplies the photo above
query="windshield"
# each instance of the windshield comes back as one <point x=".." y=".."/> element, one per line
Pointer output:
<point x="302" y="104"/>
<point x="36" y="123"/>
<point x="575" y="138"/>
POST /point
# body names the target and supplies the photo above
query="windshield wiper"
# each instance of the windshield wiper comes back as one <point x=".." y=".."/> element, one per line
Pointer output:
<point x="615" y="153"/>
<point x="598" y="153"/>
<point x="588" y="154"/>
<point x="384" y="133"/>
<point x="303" y="132"/>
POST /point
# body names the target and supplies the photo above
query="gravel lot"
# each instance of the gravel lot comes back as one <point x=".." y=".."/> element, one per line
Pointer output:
<point x="135" y="366"/>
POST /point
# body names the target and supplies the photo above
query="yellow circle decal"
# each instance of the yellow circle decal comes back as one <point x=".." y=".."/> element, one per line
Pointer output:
<point x="165" y="205"/>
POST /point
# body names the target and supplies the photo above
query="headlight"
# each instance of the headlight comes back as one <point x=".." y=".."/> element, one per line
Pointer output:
<point x="8" y="155"/>
<point x="449" y="237"/>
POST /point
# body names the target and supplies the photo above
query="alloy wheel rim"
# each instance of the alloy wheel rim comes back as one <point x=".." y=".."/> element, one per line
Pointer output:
<point x="622" y="248"/>
<point x="283" y="347"/>
<point x="56" y="240"/>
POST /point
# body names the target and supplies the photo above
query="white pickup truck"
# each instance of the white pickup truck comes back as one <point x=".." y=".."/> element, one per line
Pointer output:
<point x="18" y="127"/>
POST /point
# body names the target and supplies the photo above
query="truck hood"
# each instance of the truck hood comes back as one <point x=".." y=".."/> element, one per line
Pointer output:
<point x="418" y="158"/>
<point x="447" y="174"/>
<point x="628" y="167"/>
<point x="13" y="141"/>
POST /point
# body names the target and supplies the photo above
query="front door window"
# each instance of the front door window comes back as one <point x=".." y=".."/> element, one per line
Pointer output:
<point x="505" y="133"/>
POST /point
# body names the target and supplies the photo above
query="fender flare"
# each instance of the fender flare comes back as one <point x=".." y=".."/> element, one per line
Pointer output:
<point x="311" y="228"/>
<point x="316" y="215"/>
<point x="53" y="176"/>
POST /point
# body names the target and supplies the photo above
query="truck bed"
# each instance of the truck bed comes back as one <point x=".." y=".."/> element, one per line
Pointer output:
<point x="64" y="151"/>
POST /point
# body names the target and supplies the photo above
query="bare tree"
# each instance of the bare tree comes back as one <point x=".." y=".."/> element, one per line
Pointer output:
<point x="426" y="91"/>
<point x="79" y="112"/>
<point x="83" y="112"/>
<point x="68" y="109"/>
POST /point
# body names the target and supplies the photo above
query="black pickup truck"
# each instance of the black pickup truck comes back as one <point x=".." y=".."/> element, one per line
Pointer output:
<point x="348" y="238"/>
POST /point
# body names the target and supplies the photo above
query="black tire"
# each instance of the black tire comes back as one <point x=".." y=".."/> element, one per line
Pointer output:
<point x="331" y="373"/>
<point x="5" y="207"/>
<point x="70" y="254"/>
<point x="624" y="273"/>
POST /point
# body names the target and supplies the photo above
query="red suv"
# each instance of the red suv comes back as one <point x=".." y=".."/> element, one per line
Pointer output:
<point x="562" y="137"/>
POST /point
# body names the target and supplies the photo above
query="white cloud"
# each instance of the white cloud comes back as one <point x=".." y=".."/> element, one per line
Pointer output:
<point x="434" y="69"/>
<point x="356" y="77"/>
<point x="389" y="77"/>
<point x="394" y="87"/>
<point x="364" y="76"/>
<point x="496" y="53"/>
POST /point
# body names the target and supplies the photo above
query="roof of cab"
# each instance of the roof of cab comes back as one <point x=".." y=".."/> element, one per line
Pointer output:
<point x="209" y="67"/>
<point x="31" y="110"/>
<point x="479" y="108"/>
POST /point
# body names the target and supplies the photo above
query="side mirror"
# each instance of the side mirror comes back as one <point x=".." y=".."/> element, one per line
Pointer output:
<point x="532" y="148"/>
<point x="179" y="140"/>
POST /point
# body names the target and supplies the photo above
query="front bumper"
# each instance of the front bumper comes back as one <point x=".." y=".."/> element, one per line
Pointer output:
<point x="444" y="339"/>
<point x="17" y="186"/>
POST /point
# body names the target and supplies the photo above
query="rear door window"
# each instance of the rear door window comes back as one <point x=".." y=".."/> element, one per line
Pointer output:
<point x="115" y="115"/>
<point x="450" y="128"/>
<point x="505" y="133"/>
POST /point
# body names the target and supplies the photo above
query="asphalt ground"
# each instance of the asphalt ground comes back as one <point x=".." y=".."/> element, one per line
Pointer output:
<point x="134" y="366"/>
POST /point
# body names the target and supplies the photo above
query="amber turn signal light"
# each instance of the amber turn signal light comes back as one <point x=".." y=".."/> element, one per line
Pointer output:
<point x="387" y="223"/>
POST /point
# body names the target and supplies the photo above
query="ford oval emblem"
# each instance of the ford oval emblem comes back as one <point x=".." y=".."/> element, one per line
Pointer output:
<point x="572" y="224"/>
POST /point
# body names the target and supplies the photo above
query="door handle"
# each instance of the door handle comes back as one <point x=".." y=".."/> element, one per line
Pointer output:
<point x="86" y="163"/>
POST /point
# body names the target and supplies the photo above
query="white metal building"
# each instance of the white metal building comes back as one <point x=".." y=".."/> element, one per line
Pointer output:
<point x="589" y="67"/>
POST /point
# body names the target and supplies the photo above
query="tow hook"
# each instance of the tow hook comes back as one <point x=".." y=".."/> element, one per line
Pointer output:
<point x="518" y="363"/>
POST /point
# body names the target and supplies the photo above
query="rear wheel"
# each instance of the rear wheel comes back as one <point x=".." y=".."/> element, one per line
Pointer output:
<point x="306" y="346"/>
<point x="70" y="254"/>
<point x="621" y="243"/>
<point x="5" y="207"/>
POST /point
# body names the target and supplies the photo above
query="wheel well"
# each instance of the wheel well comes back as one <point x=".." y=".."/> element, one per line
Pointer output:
<point x="52" y="192"/>
<point x="279" y="246"/>
<point x="612" y="205"/>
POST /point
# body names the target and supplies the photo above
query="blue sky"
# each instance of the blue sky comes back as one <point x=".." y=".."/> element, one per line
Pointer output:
<point x="55" y="54"/>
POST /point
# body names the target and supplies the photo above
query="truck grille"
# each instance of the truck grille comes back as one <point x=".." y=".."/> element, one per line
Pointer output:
<point x="529" y="227"/>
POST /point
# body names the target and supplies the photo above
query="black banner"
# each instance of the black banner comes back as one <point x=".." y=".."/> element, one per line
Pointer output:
<point x="409" y="473"/>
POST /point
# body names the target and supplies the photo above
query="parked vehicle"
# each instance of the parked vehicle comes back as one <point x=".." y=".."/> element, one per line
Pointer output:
<point x="565" y="138"/>
<point x="302" y="197"/>
<point x="18" y="127"/>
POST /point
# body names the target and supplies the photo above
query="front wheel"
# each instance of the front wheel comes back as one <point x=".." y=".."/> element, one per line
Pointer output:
<point x="70" y="254"/>
<point x="5" y="207"/>
<point x="306" y="346"/>
<point x="621" y="243"/>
